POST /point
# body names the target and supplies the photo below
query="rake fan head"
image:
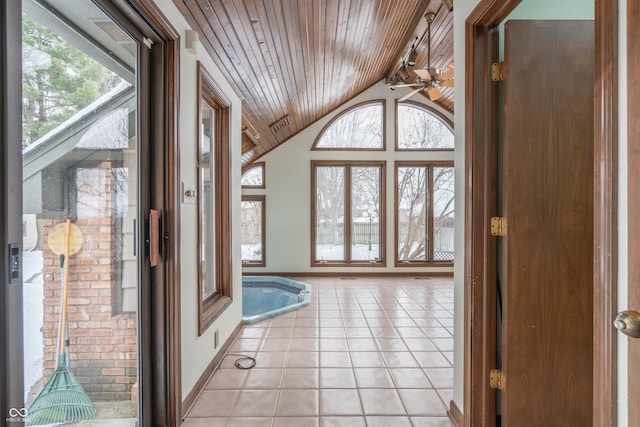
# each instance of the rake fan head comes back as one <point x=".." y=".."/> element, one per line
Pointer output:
<point x="62" y="400"/>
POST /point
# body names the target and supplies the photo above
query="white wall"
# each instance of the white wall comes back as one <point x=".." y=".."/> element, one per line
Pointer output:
<point x="288" y="189"/>
<point x="462" y="10"/>
<point x="198" y="352"/>
<point x="553" y="9"/>
<point x="528" y="9"/>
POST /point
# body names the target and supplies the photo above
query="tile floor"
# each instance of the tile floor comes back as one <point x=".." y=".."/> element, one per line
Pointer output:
<point x="366" y="352"/>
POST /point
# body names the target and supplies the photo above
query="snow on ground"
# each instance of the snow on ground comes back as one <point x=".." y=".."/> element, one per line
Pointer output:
<point x="32" y="314"/>
<point x="358" y="252"/>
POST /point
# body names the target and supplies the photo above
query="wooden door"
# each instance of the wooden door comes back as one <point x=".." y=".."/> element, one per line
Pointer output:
<point x="547" y="260"/>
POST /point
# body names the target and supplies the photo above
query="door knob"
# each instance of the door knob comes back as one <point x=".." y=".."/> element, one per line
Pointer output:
<point x="628" y="322"/>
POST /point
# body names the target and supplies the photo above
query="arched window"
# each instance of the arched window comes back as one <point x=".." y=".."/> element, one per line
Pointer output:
<point x="420" y="128"/>
<point x="253" y="176"/>
<point x="359" y="128"/>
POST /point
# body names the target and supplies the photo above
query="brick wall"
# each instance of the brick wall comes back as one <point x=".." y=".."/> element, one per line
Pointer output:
<point x="102" y="351"/>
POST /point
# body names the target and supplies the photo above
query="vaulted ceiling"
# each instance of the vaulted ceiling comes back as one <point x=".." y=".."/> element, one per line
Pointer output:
<point x="294" y="61"/>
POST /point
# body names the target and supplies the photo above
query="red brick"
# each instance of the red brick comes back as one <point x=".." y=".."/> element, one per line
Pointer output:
<point x="79" y="301"/>
<point x="113" y="371"/>
<point x="89" y="356"/>
<point x="126" y="363"/>
<point x="100" y="332"/>
<point x="111" y="356"/>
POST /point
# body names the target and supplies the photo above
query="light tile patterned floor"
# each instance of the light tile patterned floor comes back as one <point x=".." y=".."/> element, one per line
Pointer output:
<point x="366" y="352"/>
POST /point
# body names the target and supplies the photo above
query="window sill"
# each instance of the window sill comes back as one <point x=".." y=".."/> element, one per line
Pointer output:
<point x="211" y="310"/>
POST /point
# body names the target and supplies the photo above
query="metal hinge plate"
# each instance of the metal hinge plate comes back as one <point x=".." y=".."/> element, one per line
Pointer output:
<point x="497" y="71"/>
<point x="497" y="379"/>
<point x="498" y="226"/>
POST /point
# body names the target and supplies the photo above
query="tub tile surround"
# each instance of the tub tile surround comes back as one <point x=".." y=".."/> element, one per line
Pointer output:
<point x="365" y="352"/>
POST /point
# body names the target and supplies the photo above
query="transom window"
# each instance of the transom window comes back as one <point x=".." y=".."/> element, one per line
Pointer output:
<point x="420" y="128"/>
<point x="347" y="213"/>
<point x="253" y="176"/>
<point x="425" y="212"/>
<point x="359" y="128"/>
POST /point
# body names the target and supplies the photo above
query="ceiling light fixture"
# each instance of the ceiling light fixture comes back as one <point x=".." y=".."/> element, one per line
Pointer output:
<point x="403" y="74"/>
<point x="411" y="59"/>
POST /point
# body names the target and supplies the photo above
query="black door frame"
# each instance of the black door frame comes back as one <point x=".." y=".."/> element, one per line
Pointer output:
<point x="11" y="377"/>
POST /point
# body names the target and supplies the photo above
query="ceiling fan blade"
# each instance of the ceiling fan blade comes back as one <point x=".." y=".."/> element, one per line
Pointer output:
<point x="434" y="93"/>
<point x="423" y="74"/>
<point x="404" y="85"/>
<point x="448" y="74"/>
<point x="446" y="83"/>
<point x="410" y="94"/>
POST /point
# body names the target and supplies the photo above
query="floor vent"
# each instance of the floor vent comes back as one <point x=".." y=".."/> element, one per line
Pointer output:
<point x="347" y="278"/>
<point x="422" y="278"/>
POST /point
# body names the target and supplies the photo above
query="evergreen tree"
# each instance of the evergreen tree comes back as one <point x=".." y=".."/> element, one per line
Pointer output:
<point x="57" y="81"/>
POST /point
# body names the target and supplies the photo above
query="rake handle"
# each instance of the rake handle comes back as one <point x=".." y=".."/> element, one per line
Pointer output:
<point x="65" y="286"/>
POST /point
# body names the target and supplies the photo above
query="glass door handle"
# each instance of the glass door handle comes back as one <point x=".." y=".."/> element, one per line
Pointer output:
<point x="628" y="322"/>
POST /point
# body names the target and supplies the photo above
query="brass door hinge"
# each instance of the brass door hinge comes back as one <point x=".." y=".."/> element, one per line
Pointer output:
<point x="497" y="379"/>
<point x="498" y="226"/>
<point x="498" y="71"/>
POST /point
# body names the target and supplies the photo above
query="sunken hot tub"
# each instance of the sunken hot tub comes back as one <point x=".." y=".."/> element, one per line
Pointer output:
<point x="264" y="297"/>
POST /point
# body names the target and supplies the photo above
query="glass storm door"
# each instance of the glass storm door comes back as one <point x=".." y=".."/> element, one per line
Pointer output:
<point x="80" y="212"/>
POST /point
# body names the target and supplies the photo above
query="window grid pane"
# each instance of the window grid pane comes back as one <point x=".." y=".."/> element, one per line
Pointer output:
<point x="207" y="208"/>
<point x="420" y="130"/>
<point x="253" y="177"/>
<point x="443" y="213"/>
<point x="252" y="245"/>
<point x="412" y="214"/>
<point x="359" y="128"/>
<point x="330" y="192"/>
<point x="365" y="213"/>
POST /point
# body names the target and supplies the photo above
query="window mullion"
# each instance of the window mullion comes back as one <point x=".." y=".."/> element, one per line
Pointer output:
<point x="430" y="213"/>
<point x="347" y="213"/>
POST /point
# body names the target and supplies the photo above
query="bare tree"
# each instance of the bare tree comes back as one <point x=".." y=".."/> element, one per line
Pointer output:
<point x="359" y="128"/>
<point x="330" y="202"/>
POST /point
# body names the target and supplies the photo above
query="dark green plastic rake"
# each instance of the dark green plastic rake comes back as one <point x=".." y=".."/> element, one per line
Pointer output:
<point x="62" y="400"/>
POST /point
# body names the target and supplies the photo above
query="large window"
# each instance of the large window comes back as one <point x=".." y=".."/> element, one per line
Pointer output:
<point x="348" y="226"/>
<point x="425" y="212"/>
<point x="253" y="176"/>
<point x="253" y="230"/>
<point x="360" y="128"/>
<point x="214" y="257"/>
<point x="420" y="128"/>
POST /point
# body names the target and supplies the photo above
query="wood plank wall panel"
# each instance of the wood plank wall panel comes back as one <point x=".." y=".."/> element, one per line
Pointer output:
<point x="304" y="58"/>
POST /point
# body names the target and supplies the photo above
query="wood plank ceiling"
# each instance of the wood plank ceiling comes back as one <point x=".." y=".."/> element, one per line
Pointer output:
<point x="294" y="61"/>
